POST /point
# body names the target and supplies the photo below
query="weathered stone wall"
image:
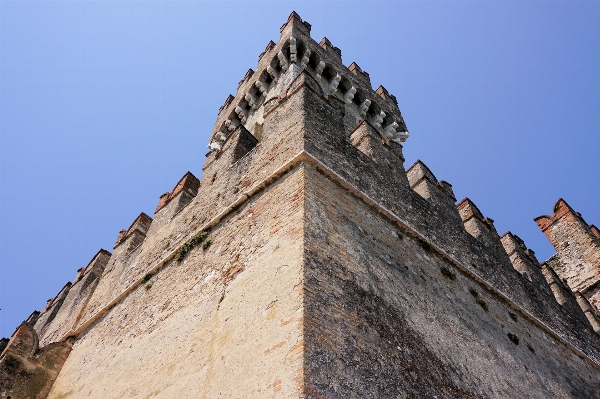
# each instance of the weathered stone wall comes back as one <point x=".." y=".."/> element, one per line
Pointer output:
<point x="382" y="321"/>
<point x="225" y="322"/>
<point x="222" y="184"/>
<point x="117" y="273"/>
<point x="438" y="194"/>
<point x="544" y="279"/>
<point x="523" y="259"/>
<point x="187" y="185"/>
<point x="329" y="145"/>
<point x="589" y="311"/>
<point x="578" y="250"/>
<point x="368" y="141"/>
<point x="560" y="289"/>
<point x="51" y="309"/>
<point x="333" y="272"/>
<point x="26" y="371"/>
<point x="69" y="312"/>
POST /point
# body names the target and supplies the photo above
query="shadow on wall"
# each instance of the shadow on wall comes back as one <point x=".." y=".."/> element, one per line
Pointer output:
<point x="27" y="371"/>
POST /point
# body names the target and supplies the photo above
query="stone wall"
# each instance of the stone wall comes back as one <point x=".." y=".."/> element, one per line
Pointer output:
<point x="26" y="370"/>
<point x="577" y="247"/>
<point x="224" y="322"/>
<point x="383" y="321"/>
<point x="483" y="254"/>
<point x="69" y="311"/>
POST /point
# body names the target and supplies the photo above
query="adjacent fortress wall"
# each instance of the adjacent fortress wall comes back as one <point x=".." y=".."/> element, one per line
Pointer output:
<point x="483" y="255"/>
<point x="383" y="321"/>
<point x="224" y="322"/>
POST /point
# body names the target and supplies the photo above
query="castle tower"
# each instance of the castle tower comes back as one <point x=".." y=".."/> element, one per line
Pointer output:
<point x="577" y="259"/>
<point x="308" y="263"/>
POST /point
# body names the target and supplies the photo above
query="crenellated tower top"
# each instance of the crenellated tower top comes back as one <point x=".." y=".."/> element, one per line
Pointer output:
<point x="279" y="66"/>
<point x="577" y="244"/>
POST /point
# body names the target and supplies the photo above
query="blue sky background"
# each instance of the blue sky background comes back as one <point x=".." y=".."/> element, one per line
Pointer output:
<point x="105" y="105"/>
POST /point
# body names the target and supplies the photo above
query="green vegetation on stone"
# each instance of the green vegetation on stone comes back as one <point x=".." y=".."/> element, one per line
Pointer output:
<point x="200" y="238"/>
<point x="483" y="303"/>
<point x="426" y="245"/>
<point x="514" y="338"/>
<point x="451" y="274"/>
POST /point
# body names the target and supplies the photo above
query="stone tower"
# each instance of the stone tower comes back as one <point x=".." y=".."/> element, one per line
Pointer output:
<point x="577" y="259"/>
<point x="308" y="263"/>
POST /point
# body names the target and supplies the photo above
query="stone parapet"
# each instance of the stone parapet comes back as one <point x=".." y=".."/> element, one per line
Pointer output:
<point x="188" y="184"/>
<point x="26" y="370"/>
<point x="69" y="312"/>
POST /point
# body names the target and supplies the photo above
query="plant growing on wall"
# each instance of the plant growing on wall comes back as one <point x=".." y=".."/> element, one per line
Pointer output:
<point x="514" y="338"/>
<point x="451" y="274"/>
<point x="426" y="245"/>
<point x="200" y="238"/>
<point x="484" y="304"/>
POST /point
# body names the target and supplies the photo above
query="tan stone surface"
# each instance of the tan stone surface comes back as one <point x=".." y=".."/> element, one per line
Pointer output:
<point x="577" y="259"/>
<point x="67" y="315"/>
<point x="226" y="322"/>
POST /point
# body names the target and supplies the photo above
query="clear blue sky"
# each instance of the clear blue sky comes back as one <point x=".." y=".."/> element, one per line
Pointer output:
<point x="105" y="105"/>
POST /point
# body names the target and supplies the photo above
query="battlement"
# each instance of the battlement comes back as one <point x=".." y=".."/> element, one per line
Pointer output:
<point x="26" y="370"/>
<point x="355" y="69"/>
<point x="476" y="224"/>
<point x="57" y="319"/>
<point x="590" y="311"/>
<point x="467" y="210"/>
<point x="513" y="243"/>
<point x="560" y="209"/>
<point x="53" y="302"/>
<point x="522" y="258"/>
<point x="140" y="225"/>
<point x="188" y="183"/>
<point x="96" y="265"/>
<point x="295" y="25"/>
<point x="280" y="64"/>
<point x="419" y="172"/>
<point x="326" y="44"/>
<point x="595" y="231"/>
